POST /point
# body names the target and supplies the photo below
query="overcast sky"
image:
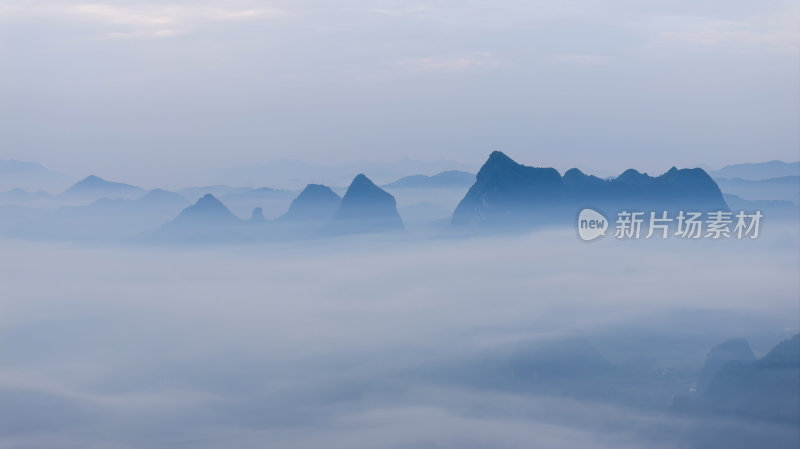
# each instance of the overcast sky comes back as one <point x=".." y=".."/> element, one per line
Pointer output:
<point x="123" y="87"/>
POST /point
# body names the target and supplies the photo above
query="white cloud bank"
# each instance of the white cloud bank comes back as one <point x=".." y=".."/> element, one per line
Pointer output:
<point x="328" y="343"/>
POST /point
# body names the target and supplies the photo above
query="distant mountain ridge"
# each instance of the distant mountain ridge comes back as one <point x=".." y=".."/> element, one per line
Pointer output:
<point x="758" y="170"/>
<point x="294" y="174"/>
<point x="31" y="176"/>
<point x="94" y="187"/>
<point x="156" y="198"/>
<point x="784" y="188"/>
<point x="449" y="178"/>
<point x="507" y="193"/>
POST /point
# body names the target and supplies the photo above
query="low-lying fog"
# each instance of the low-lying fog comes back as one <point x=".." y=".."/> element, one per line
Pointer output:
<point x="384" y="342"/>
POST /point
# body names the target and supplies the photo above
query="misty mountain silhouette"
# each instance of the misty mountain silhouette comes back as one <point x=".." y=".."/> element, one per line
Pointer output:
<point x="105" y="219"/>
<point x="315" y="203"/>
<point x="257" y="216"/>
<point x="734" y="350"/>
<point x="218" y="190"/>
<point x="507" y="193"/>
<point x="366" y="207"/>
<point x="160" y="196"/>
<point x="207" y="221"/>
<point x="94" y="187"/>
<point x="758" y="170"/>
<point x="20" y="196"/>
<point x="156" y="199"/>
<point x="258" y="194"/>
<point x="766" y="389"/>
<point x="785" y="188"/>
<point x="208" y="210"/>
<point x="449" y="178"/>
<point x="31" y="176"/>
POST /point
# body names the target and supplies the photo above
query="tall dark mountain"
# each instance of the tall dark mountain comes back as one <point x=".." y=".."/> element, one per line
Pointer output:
<point x="93" y="187"/>
<point x="445" y="179"/>
<point x="506" y="193"/>
<point x="504" y="189"/>
<point x="315" y="203"/>
<point x="366" y="207"/>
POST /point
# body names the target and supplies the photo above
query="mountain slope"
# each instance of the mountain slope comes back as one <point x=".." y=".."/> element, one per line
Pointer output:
<point x="315" y="203"/>
<point x="366" y="207"/>
<point x="93" y="187"/>
<point x="208" y="210"/>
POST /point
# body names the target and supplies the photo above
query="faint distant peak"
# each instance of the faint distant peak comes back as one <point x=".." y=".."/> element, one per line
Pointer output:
<point x="96" y="185"/>
<point x="754" y="171"/>
<point x="257" y="216"/>
<point x="207" y="209"/>
<point x="447" y="178"/>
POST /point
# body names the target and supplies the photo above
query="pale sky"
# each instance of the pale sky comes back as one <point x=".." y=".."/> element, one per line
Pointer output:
<point x="126" y="87"/>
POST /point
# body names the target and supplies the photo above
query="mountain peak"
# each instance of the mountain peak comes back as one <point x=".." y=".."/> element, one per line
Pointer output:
<point x="207" y="210"/>
<point x="363" y="185"/>
<point x="209" y="202"/>
<point x="366" y="207"/>
<point x="315" y="202"/>
<point x="96" y="187"/>
<point x="574" y="172"/>
<point x="362" y="180"/>
<point x="631" y="172"/>
<point x="162" y="196"/>
<point x="497" y="161"/>
<point x="257" y="216"/>
<point x="445" y="179"/>
<point x="499" y="156"/>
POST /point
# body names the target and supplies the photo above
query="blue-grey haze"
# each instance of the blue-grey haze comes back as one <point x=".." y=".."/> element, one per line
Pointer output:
<point x="157" y="94"/>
